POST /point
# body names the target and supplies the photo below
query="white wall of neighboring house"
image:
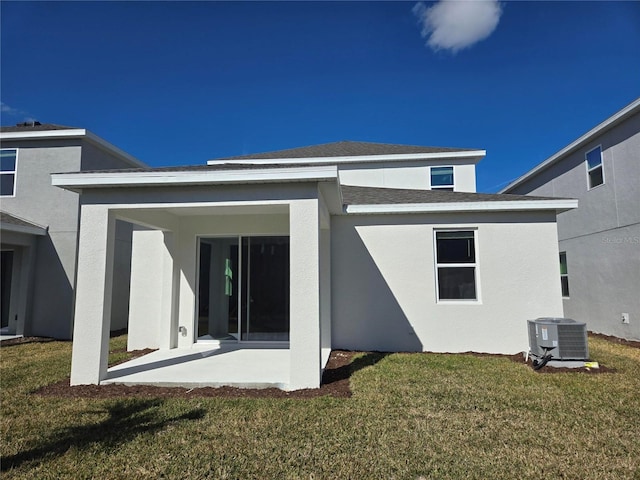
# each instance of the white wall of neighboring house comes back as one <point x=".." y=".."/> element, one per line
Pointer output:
<point x="384" y="282"/>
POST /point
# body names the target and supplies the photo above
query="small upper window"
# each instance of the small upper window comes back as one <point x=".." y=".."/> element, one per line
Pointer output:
<point x="594" y="167"/>
<point x="442" y="178"/>
<point x="8" y="172"/>
<point x="564" y="274"/>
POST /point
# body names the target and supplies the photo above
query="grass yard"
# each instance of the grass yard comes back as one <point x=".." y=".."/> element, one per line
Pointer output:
<point x="411" y="416"/>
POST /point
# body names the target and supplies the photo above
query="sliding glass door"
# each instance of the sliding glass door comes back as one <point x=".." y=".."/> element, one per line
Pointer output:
<point x="243" y="288"/>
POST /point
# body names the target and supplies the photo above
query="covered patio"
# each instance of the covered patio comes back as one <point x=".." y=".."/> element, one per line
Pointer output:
<point x="203" y="291"/>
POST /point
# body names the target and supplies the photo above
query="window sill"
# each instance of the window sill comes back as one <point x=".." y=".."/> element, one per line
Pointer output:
<point x="458" y="302"/>
<point x="596" y="187"/>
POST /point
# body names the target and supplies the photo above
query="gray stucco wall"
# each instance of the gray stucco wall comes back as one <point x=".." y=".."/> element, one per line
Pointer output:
<point x="602" y="236"/>
<point x="37" y="201"/>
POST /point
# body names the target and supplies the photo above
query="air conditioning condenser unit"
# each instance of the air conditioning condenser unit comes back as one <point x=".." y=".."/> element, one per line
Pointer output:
<point x="558" y="338"/>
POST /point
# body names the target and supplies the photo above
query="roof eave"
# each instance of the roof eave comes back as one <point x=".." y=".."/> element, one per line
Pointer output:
<point x="618" y="117"/>
<point x="28" y="229"/>
<point x="559" y="206"/>
<point x="79" y="181"/>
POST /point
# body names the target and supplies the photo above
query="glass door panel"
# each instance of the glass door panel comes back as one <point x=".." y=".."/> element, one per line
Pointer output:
<point x="218" y="289"/>
<point x="243" y="290"/>
<point x="266" y="289"/>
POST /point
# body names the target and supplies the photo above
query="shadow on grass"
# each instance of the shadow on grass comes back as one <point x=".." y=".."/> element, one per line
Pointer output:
<point x="126" y="420"/>
<point x="344" y="372"/>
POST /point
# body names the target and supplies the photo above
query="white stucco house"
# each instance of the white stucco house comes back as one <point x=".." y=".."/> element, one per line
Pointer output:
<point x="346" y="245"/>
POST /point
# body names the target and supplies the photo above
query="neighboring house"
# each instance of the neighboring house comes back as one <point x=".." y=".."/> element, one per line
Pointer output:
<point x="347" y="245"/>
<point x="599" y="241"/>
<point x="39" y="226"/>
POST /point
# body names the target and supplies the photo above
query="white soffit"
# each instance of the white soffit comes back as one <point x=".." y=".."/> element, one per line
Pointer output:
<point x="31" y="230"/>
<point x="355" y="158"/>
<point x="610" y="122"/>
<point x="195" y="177"/>
<point x="455" y="207"/>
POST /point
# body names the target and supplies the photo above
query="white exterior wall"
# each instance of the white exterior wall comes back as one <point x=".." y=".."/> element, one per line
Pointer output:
<point x="415" y="175"/>
<point x="384" y="283"/>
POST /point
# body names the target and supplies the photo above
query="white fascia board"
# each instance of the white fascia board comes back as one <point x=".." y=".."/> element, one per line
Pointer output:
<point x="31" y="230"/>
<point x="356" y="158"/>
<point x="610" y="122"/>
<point x="68" y="133"/>
<point x="132" y="179"/>
<point x="455" y="207"/>
<point x="74" y="133"/>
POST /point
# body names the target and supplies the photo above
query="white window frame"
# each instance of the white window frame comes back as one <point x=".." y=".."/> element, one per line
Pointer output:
<point x="451" y="187"/>
<point x="13" y="172"/>
<point x="564" y="275"/>
<point x="476" y="266"/>
<point x="599" y="166"/>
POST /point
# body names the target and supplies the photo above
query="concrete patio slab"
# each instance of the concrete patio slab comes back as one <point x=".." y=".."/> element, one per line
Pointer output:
<point x="8" y="337"/>
<point x="242" y="366"/>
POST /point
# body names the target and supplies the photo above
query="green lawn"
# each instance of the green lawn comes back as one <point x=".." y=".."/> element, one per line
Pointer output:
<point x="411" y="416"/>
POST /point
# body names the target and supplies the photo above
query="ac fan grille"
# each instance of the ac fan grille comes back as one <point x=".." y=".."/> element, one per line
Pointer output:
<point x="572" y="341"/>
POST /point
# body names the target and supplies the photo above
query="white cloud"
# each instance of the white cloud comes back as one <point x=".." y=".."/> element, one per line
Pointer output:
<point x="9" y="111"/>
<point x="457" y="24"/>
<point x="4" y="108"/>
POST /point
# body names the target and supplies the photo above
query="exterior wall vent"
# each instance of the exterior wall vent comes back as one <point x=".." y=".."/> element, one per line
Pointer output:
<point x="561" y="338"/>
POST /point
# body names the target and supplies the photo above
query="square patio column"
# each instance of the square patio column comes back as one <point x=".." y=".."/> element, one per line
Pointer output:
<point x="94" y="281"/>
<point x="304" y="333"/>
<point x="151" y="303"/>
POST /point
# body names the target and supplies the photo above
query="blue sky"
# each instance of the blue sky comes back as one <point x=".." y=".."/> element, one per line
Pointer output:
<point x="180" y="83"/>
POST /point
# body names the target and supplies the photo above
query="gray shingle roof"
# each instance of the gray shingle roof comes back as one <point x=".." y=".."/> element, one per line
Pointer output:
<point x="387" y="196"/>
<point x="345" y="149"/>
<point x="35" y="128"/>
<point x="210" y="168"/>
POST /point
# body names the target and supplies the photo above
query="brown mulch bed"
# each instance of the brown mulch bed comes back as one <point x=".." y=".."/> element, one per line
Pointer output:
<point x="21" y="340"/>
<point x="335" y="383"/>
<point x="621" y="341"/>
<point x="335" y="379"/>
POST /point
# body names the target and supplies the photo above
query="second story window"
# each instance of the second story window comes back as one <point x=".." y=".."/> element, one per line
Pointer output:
<point x="442" y="178"/>
<point x="564" y="274"/>
<point x="594" y="167"/>
<point x="8" y="172"/>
